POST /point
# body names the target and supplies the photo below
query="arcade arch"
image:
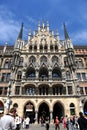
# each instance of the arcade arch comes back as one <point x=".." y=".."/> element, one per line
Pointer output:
<point x="58" y="110"/>
<point x="29" y="110"/>
<point x="43" y="111"/>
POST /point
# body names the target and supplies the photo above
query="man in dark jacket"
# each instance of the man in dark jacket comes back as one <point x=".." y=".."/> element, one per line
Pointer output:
<point x="82" y="121"/>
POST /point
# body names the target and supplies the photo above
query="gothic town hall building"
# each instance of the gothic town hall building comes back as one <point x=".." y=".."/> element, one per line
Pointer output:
<point x="43" y="76"/>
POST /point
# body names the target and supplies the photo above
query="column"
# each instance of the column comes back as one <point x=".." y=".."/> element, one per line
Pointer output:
<point x="51" y="117"/>
<point x="36" y="117"/>
<point x="66" y="90"/>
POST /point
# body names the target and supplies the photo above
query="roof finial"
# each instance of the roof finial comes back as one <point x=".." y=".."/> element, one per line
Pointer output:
<point x="47" y="26"/>
<point x="57" y="34"/>
<point x="43" y="23"/>
<point x="38" y="25"/>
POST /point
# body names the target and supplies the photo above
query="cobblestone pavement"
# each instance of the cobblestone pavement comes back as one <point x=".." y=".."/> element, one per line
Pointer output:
<point x="38" y="127"/>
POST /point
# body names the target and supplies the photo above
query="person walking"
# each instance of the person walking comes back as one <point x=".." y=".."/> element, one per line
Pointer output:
<point x="17" y="122"/>
<point x="27" y="122"/>
<point x="47" y="123"/>
<point x="57" y="123"/>
<point x="8" y="122"/>
<point x="82" y="121"/>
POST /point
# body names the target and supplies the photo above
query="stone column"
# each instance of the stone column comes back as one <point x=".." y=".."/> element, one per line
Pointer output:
<point x="51" y="117"/>
<point x="36" y="117"/>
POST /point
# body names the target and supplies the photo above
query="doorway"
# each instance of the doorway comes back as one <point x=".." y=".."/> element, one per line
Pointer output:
<point x="43" y="112"/>
<point x="29" y="111"/>
<point x="58" y="110"/>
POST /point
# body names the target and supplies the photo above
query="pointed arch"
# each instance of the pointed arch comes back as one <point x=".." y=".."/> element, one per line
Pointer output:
<point x="30" y="72"/>
<point x="56" y="72"/>
<point x="43" y="72"/>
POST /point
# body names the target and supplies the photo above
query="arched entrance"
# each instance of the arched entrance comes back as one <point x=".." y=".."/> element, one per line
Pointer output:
<point x="1" y="106"/>
<point x="43" y="111"/>
<point x="29" y="111"/>
<point x="58" y="110"/>
<point x="85" y="107"/>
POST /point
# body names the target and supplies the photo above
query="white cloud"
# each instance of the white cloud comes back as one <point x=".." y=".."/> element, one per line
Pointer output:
<point x="9" y="27"/>
<point x="80" y="37"/>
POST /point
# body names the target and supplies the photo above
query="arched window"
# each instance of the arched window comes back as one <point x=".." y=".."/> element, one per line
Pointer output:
<point x="35" y="47"/>
<point x="41" y="47"/>
<point x="43" y="90"/>
<point x="72" y="109"/>
<point x="56" y="73"/>
<point x="30" y="48"/>
<point x="54" y="59"/>
<point x="43" y="59"/>
<point x="32" y="59"/>
<point x="29" y="90"/>
<point x="51" y="47"/>
<point x="30" y="72"/>
<point x="21" y="61"/>
<point x="45" y="47"/>
<point x="80" y="64"/>
<point x="56" y="48"/>
<point x="15" y="105"/>
<point x="6" y="65"/>
<point x="65" y="61"/>
<point x="43" y="73"/>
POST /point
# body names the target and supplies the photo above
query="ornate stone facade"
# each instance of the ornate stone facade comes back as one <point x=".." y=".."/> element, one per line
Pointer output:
<point x="44" y="76"/>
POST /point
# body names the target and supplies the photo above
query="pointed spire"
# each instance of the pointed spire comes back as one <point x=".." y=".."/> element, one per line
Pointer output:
<point x="65" y="32"/>
<point x="20" y="33"/>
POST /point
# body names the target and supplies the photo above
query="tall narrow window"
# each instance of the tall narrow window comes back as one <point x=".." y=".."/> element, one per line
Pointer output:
<point x="17" y="90"/>
<point x="19" y="75"/>
<point x="6" y="65"/>
<point x="79" y="76"/>
<point x="68" y="75"/>
<point x="72" y="109"/>
<point x="83" y="76"/>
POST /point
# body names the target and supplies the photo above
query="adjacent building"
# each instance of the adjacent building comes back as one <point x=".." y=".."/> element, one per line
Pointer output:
<point x="43" y="76"/>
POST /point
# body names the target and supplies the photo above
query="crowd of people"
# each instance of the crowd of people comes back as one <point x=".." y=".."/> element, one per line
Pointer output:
<point x="12" y="121"/>
<point x="74" y="122"/>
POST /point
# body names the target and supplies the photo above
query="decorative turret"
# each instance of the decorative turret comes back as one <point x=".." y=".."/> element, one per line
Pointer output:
<point x="18" y="43"/>
<point x="68" y="43"/>
<point x="69" y="50"/>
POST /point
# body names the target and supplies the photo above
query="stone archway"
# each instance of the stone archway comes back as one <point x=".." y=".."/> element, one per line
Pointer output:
<point x="58" y="110"/>
<point x="1" y="106"/>
<point x="85" y="108"/>
<point x="43" y="111"/>
<point x="29" y="111"/>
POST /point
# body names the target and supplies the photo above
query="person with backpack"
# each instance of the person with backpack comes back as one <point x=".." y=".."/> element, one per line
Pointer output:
<point x="57" y="123"/>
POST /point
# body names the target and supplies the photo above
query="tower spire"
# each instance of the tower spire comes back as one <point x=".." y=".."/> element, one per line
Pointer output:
<point x="20" y="33"/>
<point x="65" y="32"/>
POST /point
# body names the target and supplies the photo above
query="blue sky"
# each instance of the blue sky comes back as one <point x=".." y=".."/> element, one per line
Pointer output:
<point x="56" y="12"/>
